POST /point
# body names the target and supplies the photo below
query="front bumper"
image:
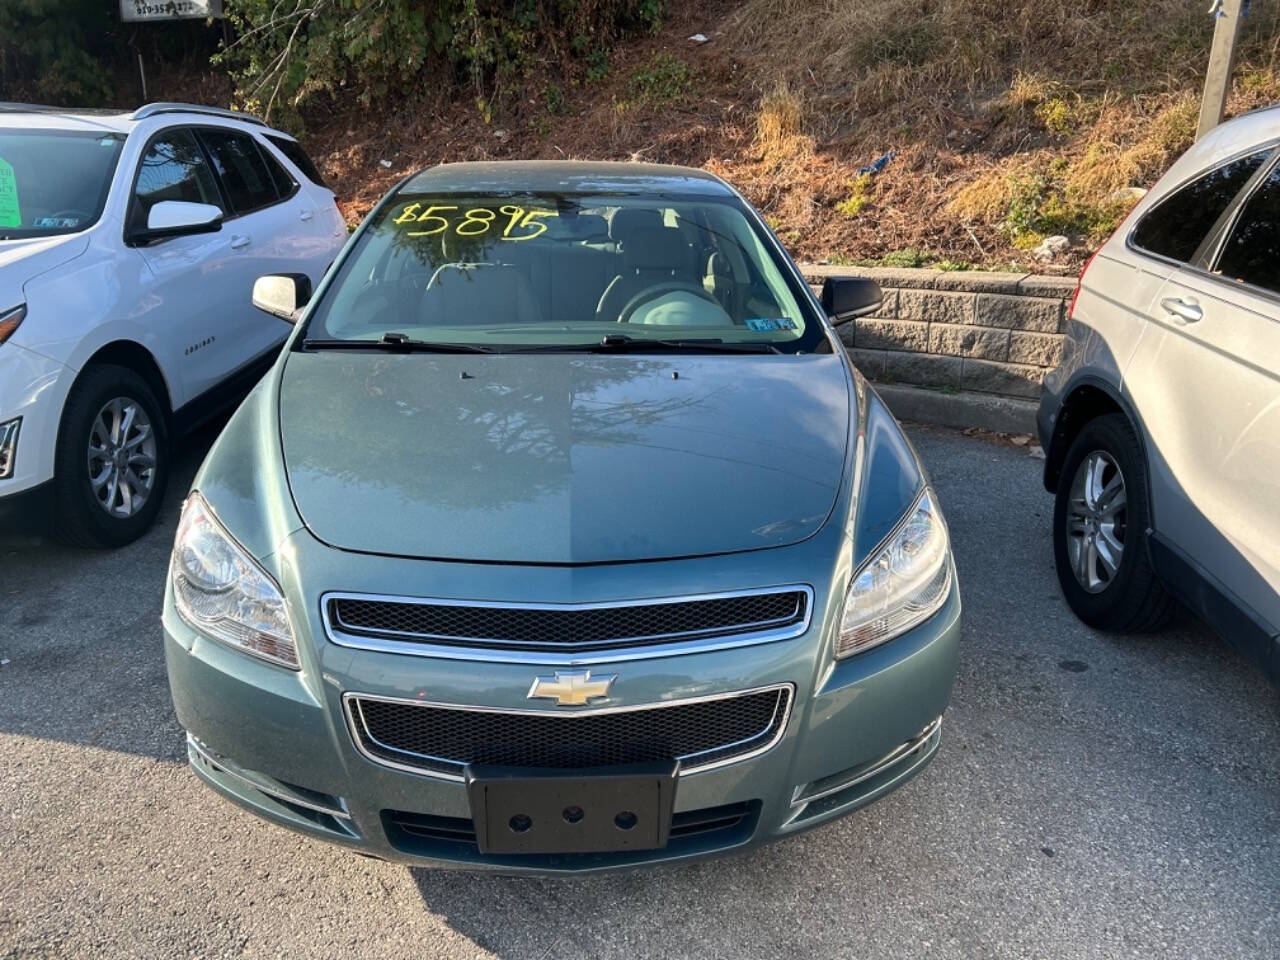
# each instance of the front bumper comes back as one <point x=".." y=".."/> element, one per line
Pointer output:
<point x="32" y="387"/>
<point x="277" y="742"/>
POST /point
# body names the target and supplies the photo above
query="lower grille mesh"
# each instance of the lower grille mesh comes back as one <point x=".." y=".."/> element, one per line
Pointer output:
<point x="445" y="739"/>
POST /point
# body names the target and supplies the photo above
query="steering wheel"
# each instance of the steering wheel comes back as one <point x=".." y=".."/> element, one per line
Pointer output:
<point x="661" y="290"/>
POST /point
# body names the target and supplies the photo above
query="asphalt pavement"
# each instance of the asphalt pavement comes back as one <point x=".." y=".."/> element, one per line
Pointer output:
<point x="1094" y="796"/>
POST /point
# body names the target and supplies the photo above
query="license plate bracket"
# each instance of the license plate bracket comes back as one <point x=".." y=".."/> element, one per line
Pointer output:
<point x="518" y="810"/>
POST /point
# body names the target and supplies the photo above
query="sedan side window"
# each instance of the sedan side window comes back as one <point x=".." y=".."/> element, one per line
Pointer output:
<point x="173" y="168"/>
<point x="1252" y="252"/>
<point x="242" y="170"/>
<point x="1179" y="223"/>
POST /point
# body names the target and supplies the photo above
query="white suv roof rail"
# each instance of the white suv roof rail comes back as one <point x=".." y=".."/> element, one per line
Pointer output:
<point x="153" y="109"/>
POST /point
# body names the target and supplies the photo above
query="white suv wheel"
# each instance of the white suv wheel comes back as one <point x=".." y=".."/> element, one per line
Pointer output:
<point x="122" y="457"/>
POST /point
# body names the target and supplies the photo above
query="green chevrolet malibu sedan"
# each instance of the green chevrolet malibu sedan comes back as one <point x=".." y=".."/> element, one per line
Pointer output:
<point x="562" y="536"/>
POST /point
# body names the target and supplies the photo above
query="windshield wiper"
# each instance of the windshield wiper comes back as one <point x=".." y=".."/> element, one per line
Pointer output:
<point x="396" y="343"/>
<point x="624" y="343"/>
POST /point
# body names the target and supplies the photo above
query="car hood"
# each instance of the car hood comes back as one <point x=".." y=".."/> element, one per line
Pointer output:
<point x="20" y="260"/>
<point x="562" y="458"/>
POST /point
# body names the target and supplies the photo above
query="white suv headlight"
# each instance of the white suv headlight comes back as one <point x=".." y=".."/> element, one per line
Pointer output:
<point x="903" y="583"/>
<point x="219" y="590"/>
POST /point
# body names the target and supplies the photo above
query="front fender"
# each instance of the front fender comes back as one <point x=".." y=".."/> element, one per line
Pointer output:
<point x="96" y="299"/>
<point x="890" y="478"/>
<point x="243" y="479"/>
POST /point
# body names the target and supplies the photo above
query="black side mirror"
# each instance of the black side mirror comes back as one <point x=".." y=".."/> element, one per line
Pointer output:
<point x="847" y="297"/>
<point x="282" y="295"/>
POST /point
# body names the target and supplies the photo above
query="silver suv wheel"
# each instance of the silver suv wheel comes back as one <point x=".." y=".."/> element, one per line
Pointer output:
<point x="1095" y="521"/>
<point x="121" y="457"/>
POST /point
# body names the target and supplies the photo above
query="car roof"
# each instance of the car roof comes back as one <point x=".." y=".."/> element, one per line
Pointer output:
<point x="113" y="119"/>
<point x="1230" y="139"/>
<point x="566" y="176"/>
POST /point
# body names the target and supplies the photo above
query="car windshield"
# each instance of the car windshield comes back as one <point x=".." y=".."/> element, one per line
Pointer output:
<point x="557" y="271"/>
<point x="54" y="181"/>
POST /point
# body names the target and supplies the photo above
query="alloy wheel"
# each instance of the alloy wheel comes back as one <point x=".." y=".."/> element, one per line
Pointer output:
<point x="1096" y="519"/>
<point x="122" y="457"/>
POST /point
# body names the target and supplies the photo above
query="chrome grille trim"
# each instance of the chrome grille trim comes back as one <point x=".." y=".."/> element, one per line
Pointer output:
<point x="507" y="651"/>
<point x="355" y="724"/>
<point x="876" y="767"/>
<point x="275" y="793"/>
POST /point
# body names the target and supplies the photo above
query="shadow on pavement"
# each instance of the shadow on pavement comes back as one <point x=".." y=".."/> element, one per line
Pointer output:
<point x="704" y="906"/>
<point x="80" y="631"/>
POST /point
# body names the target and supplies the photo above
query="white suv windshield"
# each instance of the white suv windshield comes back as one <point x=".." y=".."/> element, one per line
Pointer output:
<point x="54" y="181"/>
<point x="556" y="270"/>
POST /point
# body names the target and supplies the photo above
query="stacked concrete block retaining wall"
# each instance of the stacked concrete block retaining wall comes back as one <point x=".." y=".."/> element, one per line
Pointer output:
<point x="958" y="332"/>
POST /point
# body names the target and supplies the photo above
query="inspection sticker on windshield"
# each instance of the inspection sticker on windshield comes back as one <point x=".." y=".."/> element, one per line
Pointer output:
<point x="10" y="215"/>
<point x="69" y="223"/>
<point x="767" y="324"/>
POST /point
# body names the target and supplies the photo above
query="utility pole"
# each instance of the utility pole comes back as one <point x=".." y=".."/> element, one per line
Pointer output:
<point x="1222" y="55"/>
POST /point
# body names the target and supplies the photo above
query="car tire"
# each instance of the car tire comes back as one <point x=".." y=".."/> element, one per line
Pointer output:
<point x="1103" y="502"/>
<point x="89" y="457"/>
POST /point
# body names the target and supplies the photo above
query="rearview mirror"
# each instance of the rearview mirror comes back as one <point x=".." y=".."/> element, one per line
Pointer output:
<point x="282" y="295"/>
<point x="847" y="297"/>
<point x="176" y="218"/>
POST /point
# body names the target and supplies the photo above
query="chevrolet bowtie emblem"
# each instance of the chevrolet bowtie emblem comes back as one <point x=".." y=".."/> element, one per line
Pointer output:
<point x="572" y="689"/>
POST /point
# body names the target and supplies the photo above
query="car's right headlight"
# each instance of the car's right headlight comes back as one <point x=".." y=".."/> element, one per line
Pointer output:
<point x="219" y="590"/>
<point x="901" y="585"/>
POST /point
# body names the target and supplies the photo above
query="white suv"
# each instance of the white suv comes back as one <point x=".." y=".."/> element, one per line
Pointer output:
<point x="1162" y="425"/>
<point x="129" y="244"/>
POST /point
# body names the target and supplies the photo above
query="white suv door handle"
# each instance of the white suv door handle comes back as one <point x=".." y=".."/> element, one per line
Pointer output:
<point x="306" y="215"/>
<point x="1185" y="311"/>
<point x="239" y="242"/>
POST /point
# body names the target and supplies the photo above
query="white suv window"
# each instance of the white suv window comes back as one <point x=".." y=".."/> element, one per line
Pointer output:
<point x="173" y="168"/>
<point x="249" y="182"/>
<point x="1180" y="222"/>
<point x="1252" y="252"/>
<point x="298" y="157"/>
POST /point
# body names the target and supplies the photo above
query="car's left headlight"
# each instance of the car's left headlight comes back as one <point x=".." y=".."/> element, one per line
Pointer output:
<point x="902" y="584"/>
<point x="219" y="590"/>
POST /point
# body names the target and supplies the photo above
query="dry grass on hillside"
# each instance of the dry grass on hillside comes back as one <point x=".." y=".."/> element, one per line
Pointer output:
<point x="1010" y="120"/>
<point x="1004" y="121"/>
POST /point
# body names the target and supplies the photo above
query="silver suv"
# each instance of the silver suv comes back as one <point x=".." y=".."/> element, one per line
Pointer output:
<point x="1161" y="426"/>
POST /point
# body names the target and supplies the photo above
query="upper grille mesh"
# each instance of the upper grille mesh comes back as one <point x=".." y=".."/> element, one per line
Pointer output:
<point x="444" y="739"/>
<point x="578" y="629"/>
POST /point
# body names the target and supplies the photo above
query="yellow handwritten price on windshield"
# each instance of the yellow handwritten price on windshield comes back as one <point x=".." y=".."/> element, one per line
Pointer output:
<point x="474" y="222"/>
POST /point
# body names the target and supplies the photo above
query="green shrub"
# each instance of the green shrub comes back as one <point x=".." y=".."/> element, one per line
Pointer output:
<point x="859" y="197"/>
<point x="553" y="99"/>
<point x="663" y="79"/>
<point x="287" y="51"/>
<point x="55" y="51"/>
<point x="1040" y="207"/>
<point x="597" y="66"/>
<point x="909" y="257"/>
<point x="1056" y="115"/>
<point x="905" y="41"/>
<point x="1026" y="197"/>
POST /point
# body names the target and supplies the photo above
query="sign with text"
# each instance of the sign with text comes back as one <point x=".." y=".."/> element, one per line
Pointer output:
<point x="139" y="10"/>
